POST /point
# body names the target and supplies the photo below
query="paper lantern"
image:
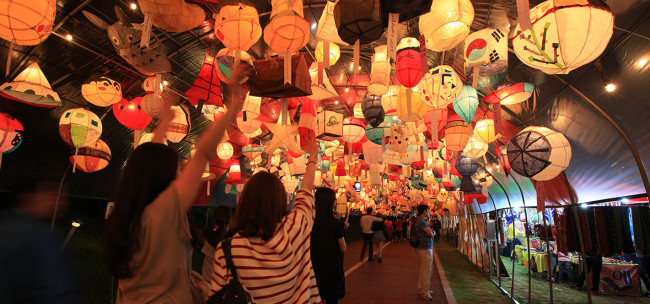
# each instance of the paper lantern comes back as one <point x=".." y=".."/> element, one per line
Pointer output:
<point x="26" y="22"/>
<point x="340" y="167"/>
<point x="103" y="92"/>
<point x="322" y="91"/>
<point x="225" y="150"/>
<point x="380" y="72"/>
<point x="31" y="87"/>
<point x="93" y="157"/>
<point x="335" y="52"/>
<point x="485" y="131"/>
<point x="485" y="180"/>
<point x="326" y="29"/>
<point x="126" y="37"/>
<point x="563" y="38"/>
<point x="131" y="114"/>
<point x="389" y="100"/>
<point x="466" y="166"/>
<point x="353" y="129"/>
<point x="287" y="31"/>
<point x="283" y="135"/>
<point x="486" y="49"/>
<point x="440" y="86"/>
<point x="511" y="93"/>
<point x="358" y="20"/>
<point x="248" y="126"/>
<point x="173" y="15"/>
<point x="237" y="26"/>
<point x="79" y="127"/>
<point x="398" y="139"/>
<point x="456" y="134"/>
<point x="148" y="137"/>
<point x="409" y="67"/>
<point x="466" y="103"/>
<point x="234" y="174"/>
<point x="443" y="195"/>
<point x="375" y="134"/>
<point x="206" y="88"/>
<point x="11" y="133"/>
<point x="180" y="125"/>
<point x="297" y="165"/>
<point x="225" y="59"/>
<point x="375" y="175"/>
<point x="410" y="106"/>
<point x="475" y="148"/>
<point x="251" y="107"/>
<point x="441" y="117"/>
<point x="251" y="151"/>
<point x="447" y="24"/>
<point x="539" y="153"/>
<point x="373" y="153"/>
<point x="357" y="111"/>
<point x="329" y="125"/>
<point x="372" y="109"/>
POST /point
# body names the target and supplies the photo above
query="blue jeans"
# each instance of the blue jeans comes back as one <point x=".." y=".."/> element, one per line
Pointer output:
<point x="564" y="266"/>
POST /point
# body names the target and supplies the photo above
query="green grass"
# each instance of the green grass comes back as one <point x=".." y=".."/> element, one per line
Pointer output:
<point x="467" y="282"/>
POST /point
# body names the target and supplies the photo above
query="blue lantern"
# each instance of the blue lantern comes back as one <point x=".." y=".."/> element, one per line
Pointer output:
<point x="466" y="103"/>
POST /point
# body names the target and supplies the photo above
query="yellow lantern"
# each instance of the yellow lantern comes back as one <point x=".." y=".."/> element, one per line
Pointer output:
<point x="103" y="92"/>
<point x="238" y="26"/>
<point x="225" y="150"/>
<point x="288" y="31"/>
<point x="358" y="111"/>
<point x="484" y="131"/>
<point x="389" y="100"/>
<point x="26" y="22"/>
<point x="475" y="148"/>
<point x="447" y="24"/>
<point x="335" y="52"/>
<point x="380" y="74"/>
<point x="409" y="105"/>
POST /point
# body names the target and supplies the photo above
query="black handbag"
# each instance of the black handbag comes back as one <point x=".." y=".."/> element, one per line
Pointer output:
<point x="233" y="292"/>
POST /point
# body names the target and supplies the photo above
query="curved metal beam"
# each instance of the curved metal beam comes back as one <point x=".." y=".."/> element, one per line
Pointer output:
<point x="523" y="200"/>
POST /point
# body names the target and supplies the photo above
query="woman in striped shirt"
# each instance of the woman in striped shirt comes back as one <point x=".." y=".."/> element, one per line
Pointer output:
<point x="271" y="249"/>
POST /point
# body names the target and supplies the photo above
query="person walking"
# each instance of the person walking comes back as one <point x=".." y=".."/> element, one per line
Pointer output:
<point x="425" y="251"/>
<point x="368" y="234"/>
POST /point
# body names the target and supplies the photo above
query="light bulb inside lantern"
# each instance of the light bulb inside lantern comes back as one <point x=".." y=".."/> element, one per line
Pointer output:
<point x="133" y="6"/>
<point x="610" y="87"/>
<point x="313" y="26"/>
<point x="69" y="37"/>
<point x="642" y="62"/>
<point x="336" y="102"/>
<point x="131" y="107"/>
<point x="347" y="90"/>
<point x="165" y="83"/>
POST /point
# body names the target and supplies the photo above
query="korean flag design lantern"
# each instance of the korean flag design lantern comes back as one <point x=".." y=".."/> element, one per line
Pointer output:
<point x="447" y="24"/>
<point x="353" y="129"/>
<point x="288" y="31"/>
<point x="11" y="133"/>
<point x="93" y="157"/>
<point x="238" y="26"/>
<point x="440" y="86"/>
<point x="563" y="38"/>
<point x="103" y="92"/>
<point x="380" y="71"/>
<point x="409" y="67"/>
<point x="539" y="153"/>
<point x="26" y="22"/>
<point x="486" y="49"/>
<point x="180" y="124"/>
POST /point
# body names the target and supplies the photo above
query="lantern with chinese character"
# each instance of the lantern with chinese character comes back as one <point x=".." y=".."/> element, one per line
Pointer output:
<point x="380" y="72"/>
<point x="93" y="157"/>
<point x="447" y="24"/>
<point x="372" y="109"/>
<point x="456" y="134"/>
<point x="484" y="131"/>
<point x="26" y="22"/>
<point x="334" y="52"/>
<point x="389" y="100"/>
<point x="102" y="92"/>
<point x="440" y="86"/>
<point x="11" y="133"/>
<point x="409" y="67"/>
<point x="475" y="148"/>
<point x="131" y="114"/>
<point x="410" y="106"/>
<point x="539" y="153"/>
<point x="238" y="26"/>
<point x="180" y="126"/>
<point x="358" y="20"/>
<point x="31" y="87"/>
<point x="564" y="37"/>
<point x="353" y="129"/>
<point x="466" y="103"/>
<point x="486" y="49"/>
<point x="288" y="31"/>
<point x="511" y="93"/>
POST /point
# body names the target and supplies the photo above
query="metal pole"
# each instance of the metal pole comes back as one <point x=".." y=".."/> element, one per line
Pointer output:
<point x="550" y="265"/>
<point x="527" y="234"/>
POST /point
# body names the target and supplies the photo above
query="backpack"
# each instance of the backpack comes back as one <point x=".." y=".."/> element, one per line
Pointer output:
<point x="414" y="241"/>
<point x="233" y="292"/>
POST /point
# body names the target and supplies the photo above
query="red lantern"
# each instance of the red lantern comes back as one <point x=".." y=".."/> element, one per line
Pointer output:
<point x="234" y="175"/>
<point x="353" y="129"/>
<point x="409" y="66"/>
<point x="441" y="116"/>
<point x="340" y="167"/>
<point x="130" y="114"/>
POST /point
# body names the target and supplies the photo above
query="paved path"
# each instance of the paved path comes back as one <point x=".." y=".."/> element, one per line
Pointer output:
<point x="393" y="281"/>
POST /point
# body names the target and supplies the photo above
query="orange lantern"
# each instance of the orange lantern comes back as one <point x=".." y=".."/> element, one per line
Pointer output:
<point x="92" y="157"/>
<point x="288" y="31"/>
<point x="334" y="50"/>
<point x="456" y="133"/>
<point x="26" y="22"/>
<point x="238" y="26"/>
<point x="409" y="105"/>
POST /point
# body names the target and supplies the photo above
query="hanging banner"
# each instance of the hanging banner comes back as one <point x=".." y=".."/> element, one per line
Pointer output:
<point x="620" y="280"/>
<point x="423" y="55"/>
<point x="498" y="120"/>
<point x="357" y="53"/>
<point x="391" y="35"/>
<point x="146" y="32"/>
<point x="523" y="15"/>
<point x="287" y="67"/>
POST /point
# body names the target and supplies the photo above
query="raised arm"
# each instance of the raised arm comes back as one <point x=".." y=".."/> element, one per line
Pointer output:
<point x="308" y="178"/>
<point x="189" y="180"/>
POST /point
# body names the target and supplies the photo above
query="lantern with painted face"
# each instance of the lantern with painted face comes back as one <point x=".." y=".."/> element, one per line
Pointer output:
<point x="409" y="67"/>
<point x="486" y="49"/>
<point x="440" y="86"/>
<point x="447" y="24"/>
<point x="238" y="26"/>
<point x="102" y="92"/>
<point x="131" y="114"/>
<point x="26" y="22"/>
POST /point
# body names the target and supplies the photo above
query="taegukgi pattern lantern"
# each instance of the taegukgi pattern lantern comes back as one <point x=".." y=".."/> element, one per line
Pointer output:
<point x="564" y="37"/>
<point x="102" y="92"/>
<point x="440" y="86"/>
<point x="11" y="133"/>
<point x="539" y="153"/>
<point x="409" y="67"/>
<point x="93" y="157"/>
<point x="447" y="24"/>
<point x="26" y="22"/>
<point x="486" y="49"/>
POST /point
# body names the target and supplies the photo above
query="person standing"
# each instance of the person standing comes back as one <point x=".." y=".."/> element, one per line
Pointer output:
<point x="564" y="265"/>
<point x="436" y="225"/>
<point x="213" y="235"/>
<point x="368" y="234"/>
<point x="399" y="229"/>
<point x="425" y="251"/>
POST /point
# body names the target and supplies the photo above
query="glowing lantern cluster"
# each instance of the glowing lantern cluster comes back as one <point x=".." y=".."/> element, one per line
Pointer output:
<point x="334" y="52"/>
<point x="92" y="157"/>
<point x="179" y="127"/>
<point x="563" y="38"/>
<point x="353" y="129"/>
<point x="409" y="67"/>
<point x="31" y="87"/>
<point x="539" y="153"/>
<point x="510" y="93"/>
<point x="380" y="72"/>
<point x="103" y="92"/>
<point x="447" y="24"/>
<point x="287" y="31"/>
<point x="440" y="86"/>
<point x="11" y="133"/>
<point x="131" y="114"/>
<point x="26" y="22"/>
<point x="238" y="26"/>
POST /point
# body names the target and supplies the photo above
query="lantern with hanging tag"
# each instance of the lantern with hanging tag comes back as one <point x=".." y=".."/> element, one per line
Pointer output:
<point x="389" y="100"/>
<point x="237" y="26"/>
<point x="358" y="22"/>
<point x="329" y="125"/>
<point x="334" y="52"/>
<point x="380" y="72"/>
<point x="353" y="129"/>
<point x="321" y="91"/>
<point x="409" y="66"/>
<point x="226" y="59"/>
<point x="410" y="106"/>
<point x="234" y="174"/>
<point x="79" y="127"/>
<point x="486" y="49"/>
<point x="440" y="86"/>
<point x="447" y="24"/>
<point x="435" y="120"/>
<point x="485" y="131"/>
<point x="270" y="79"/>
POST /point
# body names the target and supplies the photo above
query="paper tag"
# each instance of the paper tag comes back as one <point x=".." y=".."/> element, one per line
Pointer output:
<point x="408" y="102"/>
<point x="391" y="35"/>
<point x="11" y="48"/>
<point x="498" y="120"/>
<point x="157" y="84"/>
<point x="287" y="67"/>
<point x="355" y="65"/>
<point x="423" y="55"/>
<point x="475" y="76"/>
<point x="285" y="112"/>
<point x="320" y="73"/>
<point x="146" y="32"/>
<point x="523" y="15"/>
<point x="434" y="127"/>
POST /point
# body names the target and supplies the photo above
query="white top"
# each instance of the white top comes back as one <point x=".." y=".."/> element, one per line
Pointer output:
<point x="366" y="223"/>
